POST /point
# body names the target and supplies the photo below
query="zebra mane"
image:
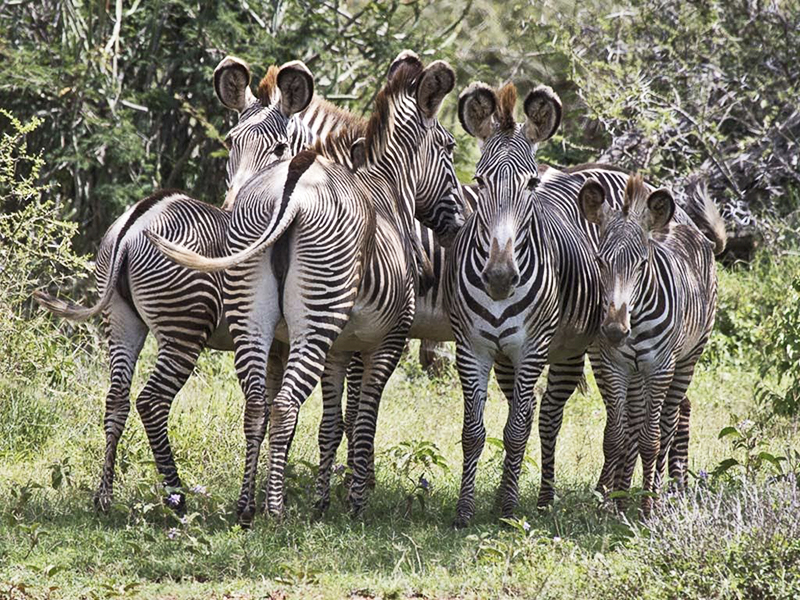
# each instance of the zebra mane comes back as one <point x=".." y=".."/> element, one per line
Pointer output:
<point x="346" y="127"/>
<point x="636" y="194"/>
<point x="506" y="101"/>
<point x="402" y="81"/>
<point x="337" y="145"/>
<point x="268" y="86"/>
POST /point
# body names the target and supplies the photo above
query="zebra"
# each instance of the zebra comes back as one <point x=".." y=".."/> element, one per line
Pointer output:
<point x="143" y="291"/>
<point x="523" y="286"/>
<point x="659" y="297"/>
<point x="328" y="247"/>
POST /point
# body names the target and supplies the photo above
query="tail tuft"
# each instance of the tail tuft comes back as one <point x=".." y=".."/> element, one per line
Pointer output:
<point x="704" y="213"/>
<point x="64" y="308"/>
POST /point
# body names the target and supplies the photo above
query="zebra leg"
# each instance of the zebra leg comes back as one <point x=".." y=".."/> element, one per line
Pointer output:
<point x="303" y="372"/>
<point x="251" y="307"/>
<point x="562" y="379"/>
<point x="126" y="333"/>
<point x="173" y="367"/>
<point x="378" y="367"/>
<point x="332" y="426"/>
<point x="632" y="412"/>
<point x="679" y="451"/>
<point x="518" y="429"/>
<point x="473" y="370"/>
<point x="670" y="420"/>
<point x="613" y="386"/>
<point x="430" y="360"/>
<point x="656" y="386"/>
<point x="504" y="374"/>
<point x="355" y="375"/>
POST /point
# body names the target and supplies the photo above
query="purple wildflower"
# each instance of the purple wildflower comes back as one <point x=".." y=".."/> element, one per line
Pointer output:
<point x="174" y="500"/>
<point x="172" y="533"/>
<point x="424" y="483"/>
<point x="702" y="475"/>
<point x="526" y="526"/>
<point x="200" y="490"/>
<point x="339" y="469"/>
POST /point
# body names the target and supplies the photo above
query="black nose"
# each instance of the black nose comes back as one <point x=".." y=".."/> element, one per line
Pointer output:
<point x="500" y="281"/>
<point x="615" y="333"/>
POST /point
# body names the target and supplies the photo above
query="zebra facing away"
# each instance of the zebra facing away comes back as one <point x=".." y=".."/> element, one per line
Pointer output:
<point x="343" y="269"/>
<point x="141" y="290"/>
<point x="659" y="280"/>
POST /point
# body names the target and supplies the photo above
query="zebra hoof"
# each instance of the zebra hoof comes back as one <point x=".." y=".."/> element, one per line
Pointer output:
<point x="321" y="507"/>
<point x="461" y="522"/>
<point x="102" y="501"/>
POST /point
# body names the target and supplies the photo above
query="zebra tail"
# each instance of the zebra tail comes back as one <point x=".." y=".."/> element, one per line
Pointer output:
<point x="77" y="312"/>
<point x="704" y="213"/>
<point x="283" y="216"/>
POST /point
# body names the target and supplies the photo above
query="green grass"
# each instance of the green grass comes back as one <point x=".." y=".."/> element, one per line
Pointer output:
<point x="52" y="543"/>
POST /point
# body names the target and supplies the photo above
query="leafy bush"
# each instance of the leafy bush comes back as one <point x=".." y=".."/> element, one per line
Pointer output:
<point x="696" y="88"/>
<point x="34" y="251"/>
<point x="781" y="356"/>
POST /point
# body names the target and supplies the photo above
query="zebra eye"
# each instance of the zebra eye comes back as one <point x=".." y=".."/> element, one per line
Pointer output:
<point x="279" y="150"/>
<point x="450" y="147"/>
<point x="479" y="180"/>
<point x="532" y="183"/>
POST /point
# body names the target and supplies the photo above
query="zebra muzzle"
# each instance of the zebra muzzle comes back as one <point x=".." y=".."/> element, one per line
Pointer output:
<point x="616" y="327"/>
<point x="501" y="275"/>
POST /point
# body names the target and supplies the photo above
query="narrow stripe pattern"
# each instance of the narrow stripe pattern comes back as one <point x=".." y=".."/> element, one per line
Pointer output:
<point x="143" y="291"/>
<point x="329" y="265"/>
<point x="659" y="297"/>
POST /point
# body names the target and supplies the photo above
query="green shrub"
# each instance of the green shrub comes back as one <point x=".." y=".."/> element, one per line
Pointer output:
<point x="35" y="251"/>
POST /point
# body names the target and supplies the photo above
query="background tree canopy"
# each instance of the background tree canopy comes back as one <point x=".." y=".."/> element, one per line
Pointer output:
<point x="675" y="89"/>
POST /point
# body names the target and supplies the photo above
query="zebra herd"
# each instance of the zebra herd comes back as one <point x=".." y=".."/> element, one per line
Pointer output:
<point x="340" y="238"/>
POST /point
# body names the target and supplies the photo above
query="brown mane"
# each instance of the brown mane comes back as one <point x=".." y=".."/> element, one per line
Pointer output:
<point x="636" y="194"/>
<point x="506" y="101"/>
<point x="404" y="76"/>
<point x="338" y="143"/>
<point x="268" y="86"/>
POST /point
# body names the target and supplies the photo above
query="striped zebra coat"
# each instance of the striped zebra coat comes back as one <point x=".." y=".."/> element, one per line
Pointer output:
<point x="659" y="297"/>
<point x="141" y="290"/>
<point x="342" y="280"/>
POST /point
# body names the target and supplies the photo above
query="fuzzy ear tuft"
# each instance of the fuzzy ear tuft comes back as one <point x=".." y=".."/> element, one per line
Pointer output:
<point x="543" y="109"/>
<point x="405" y="57"/>
<point x="660" y="208"/>
<point x="477" y="106"/>
<point x="296" y="84"/>
<point x="232" y="83"/>
<point x="358" y="153"/>
<point x="592" y="201"/>
<point x="434" y="84"/>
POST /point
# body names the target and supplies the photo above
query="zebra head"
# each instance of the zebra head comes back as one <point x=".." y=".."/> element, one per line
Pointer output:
<point x="404" y="131"/>
<point x="265" y="129"/>
<point x="507" y="174"/>
<point x="624" y="251"/>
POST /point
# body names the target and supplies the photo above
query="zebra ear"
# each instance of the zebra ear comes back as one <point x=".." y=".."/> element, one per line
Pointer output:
<point x="296" y="84"/>
<point x="405" y="57"/>
<point x="592" y="201"/>
<point x="660" y="208"/>
<point x="358" y="153"/>
<point x="477" y="105"/>
<point x="232" y="83"/>
<point x="543" y="109"/>
<point x="434" y="84"/>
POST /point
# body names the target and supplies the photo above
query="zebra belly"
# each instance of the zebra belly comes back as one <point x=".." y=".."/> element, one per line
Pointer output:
<point x="365" y="330"/>
<point x="431" y="324"/>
